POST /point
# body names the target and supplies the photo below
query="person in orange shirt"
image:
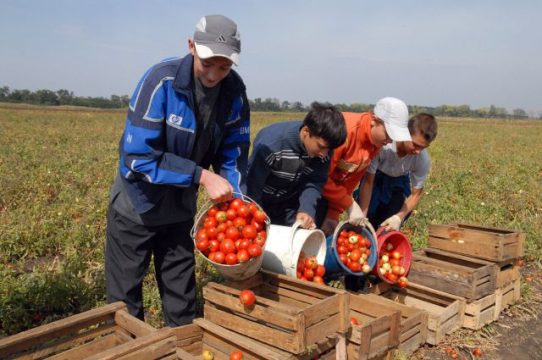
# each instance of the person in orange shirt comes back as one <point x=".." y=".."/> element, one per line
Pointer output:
<point x="366" y="134"/>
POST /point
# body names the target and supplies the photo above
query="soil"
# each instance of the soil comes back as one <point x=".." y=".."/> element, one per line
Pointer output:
<point x="516" y="335"/>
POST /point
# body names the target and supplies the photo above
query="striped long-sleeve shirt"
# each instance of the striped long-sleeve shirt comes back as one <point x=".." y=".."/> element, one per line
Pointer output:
<point x="280" y="168"/>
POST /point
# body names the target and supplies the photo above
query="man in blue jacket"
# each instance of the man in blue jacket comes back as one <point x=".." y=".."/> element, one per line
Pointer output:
<point x="185" y="115"/>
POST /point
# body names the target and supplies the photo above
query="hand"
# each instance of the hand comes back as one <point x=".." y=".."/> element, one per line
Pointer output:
<point x="218" y="188"/>
<point x="306" y="221"/>
<point x="392" y="223"/>
<point x="328" y="226"/>
<point x="355" y="214"/>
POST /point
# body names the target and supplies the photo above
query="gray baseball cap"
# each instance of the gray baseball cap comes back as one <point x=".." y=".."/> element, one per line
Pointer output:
<point x="217" y="35"/>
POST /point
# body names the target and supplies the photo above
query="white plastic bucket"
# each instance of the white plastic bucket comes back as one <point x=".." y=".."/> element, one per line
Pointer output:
<point x="285" y="243"/>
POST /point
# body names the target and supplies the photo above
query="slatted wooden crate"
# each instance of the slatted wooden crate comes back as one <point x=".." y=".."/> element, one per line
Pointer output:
<point x="190" y="341"/>
<point x="378" y="331"/>
<point x="446" y="312"/>
<point x="506" y="274"/>
<point x="453" y="273"/>
<point x="477" y="241"/>
<point x="289" y="313"/>
<point x="413" y="325"/>
<point x="507" y="295"/>
<point x="84" y="335"/>
<point x="481" y="312"/>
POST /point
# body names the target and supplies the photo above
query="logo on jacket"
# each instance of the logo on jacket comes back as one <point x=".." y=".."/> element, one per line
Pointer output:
<point x="175" y="119"/>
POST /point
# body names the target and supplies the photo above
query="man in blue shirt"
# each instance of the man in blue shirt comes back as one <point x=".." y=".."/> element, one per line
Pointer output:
<point x="185" y="115"/>
<point x="289" y="163"/>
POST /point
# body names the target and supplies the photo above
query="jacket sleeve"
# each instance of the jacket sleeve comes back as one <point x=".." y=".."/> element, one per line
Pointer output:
<point x="142" y="146"/>
<point x="258" y="171"/>
<point x="339" y="195"/>
<point x="312" y="191"/>
<point x="231" y="161"/>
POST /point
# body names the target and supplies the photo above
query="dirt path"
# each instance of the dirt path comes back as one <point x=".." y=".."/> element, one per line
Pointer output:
<point x="516" y="335"/>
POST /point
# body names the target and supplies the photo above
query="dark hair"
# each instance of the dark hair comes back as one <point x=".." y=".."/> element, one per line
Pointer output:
<point x="425" y="124"/>
<point x="327" y="122"/>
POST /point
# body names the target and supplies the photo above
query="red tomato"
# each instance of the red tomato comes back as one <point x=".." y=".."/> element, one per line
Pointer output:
<point x="260" y="216"/>
<point x="231" y="214"/>
<point x="219" y="257"/>
<point x="354" y="321"/>
<point x="320" y="270"/>
<point x="239" y="222"/>
<point x="247" y="297"/>
<point x="342" y="249"/>
<point x="403" y="282"/>
<point x="201" y="234"/>
<point x="222" y="227"/>
<point x="227" y="246"/>
<point x="243" y="211"/>
<point x="214" y="245"/>
<point x="231" y="259"/>
<point x="212" y="233"/>
<point x="254" y="250"/>
<point x="311" y="262"/>
<point x="392" y="277"/>
<point x="202" y="244"/>
<point x="212" y="211"/>
<point x="343" y="233"/>
<point x="232" y="233"/>
<point x="355" y="255"/>
<point x="252" y="208"/>
<point x="236" y="203"/>
<point x="243" y="256"/>
<point x="210" y="222"/>
<point x="396" y="255"/>
<point x="308" y="273"/>
<point x="343" y="258"/>
<point x="249" y="232"/>
<point x="258" y="225"/>
<point x="318" y="279"/>
<point x="244" y="244"/>
<point x="236" y="355"/>
<point x="354" y="266"/>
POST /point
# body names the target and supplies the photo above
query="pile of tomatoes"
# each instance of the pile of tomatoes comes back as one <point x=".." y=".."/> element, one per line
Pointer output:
<point x="232" y="232"/>
<point x="390" y="266"/>
<point x="354" y="251"/>
<point x="308" y="269"/>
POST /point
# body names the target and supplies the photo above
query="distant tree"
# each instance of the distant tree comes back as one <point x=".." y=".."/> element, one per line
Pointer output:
<point x="298" y="106"/>
<point x="4" y="93"/>
<point x="46" y="97"/>
<point x="64" y="97"/>
<point x="285" y="106"/>
<point x="519" y="113"/>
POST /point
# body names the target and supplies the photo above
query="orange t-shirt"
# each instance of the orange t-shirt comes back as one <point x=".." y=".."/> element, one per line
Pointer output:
<point x="349" y="163"/>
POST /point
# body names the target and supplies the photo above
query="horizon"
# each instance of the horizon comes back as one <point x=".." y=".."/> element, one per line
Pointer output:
<point x="446" y="53"/>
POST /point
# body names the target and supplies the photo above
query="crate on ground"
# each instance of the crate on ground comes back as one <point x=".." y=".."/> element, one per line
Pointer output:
<point x="481" y="312"/>
<point x="506" y="274"/>
<point x="453" y="273"/>
<point x="189" y="342"/>
<point x="288" y="313"/>
<point x="482" y="242"/>
<point x="413" y="324"/>
<point x="377" y="332"/>
<point x="507" y="295"/>
<point x="79" y="336"/>
<point x="446" y="312"/>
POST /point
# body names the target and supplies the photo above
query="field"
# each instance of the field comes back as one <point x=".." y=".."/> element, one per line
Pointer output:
<point x="57" y="165"/>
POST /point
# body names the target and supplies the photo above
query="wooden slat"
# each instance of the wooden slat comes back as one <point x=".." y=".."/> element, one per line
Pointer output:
<point x="132" y="324"/>
<point x="88" y="349"/>
<point x="70" y="325"/>
<point x="325" y="308"/>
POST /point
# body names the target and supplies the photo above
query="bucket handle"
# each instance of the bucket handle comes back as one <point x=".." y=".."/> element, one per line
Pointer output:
<point x="201" y="212"/>
<point x="295" y="227"/>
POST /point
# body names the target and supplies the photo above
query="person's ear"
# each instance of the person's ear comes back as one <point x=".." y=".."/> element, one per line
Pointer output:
<point x="191" y="47"/>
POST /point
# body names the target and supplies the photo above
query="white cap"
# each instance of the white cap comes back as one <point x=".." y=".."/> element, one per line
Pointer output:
<point x="394" y="113"/>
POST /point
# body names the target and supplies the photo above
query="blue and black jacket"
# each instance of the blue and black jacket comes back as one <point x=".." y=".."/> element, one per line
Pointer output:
<point x="160" y="133"/>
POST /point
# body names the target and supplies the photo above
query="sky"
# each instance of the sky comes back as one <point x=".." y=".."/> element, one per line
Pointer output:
<point x="428" y="53"/>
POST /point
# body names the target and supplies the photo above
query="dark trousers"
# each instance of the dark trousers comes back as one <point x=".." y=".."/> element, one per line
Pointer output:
<point x="384" y="211"/>
<point x="127" y="257"/>
<point x="283" y="213"/>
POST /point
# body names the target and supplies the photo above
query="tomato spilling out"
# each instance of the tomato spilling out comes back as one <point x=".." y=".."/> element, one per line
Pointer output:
<point x="390" y="266"/>
<point x="354" y="251"/>
<point x="236" y="355"/>
<point x="232" y="232"/>
<point x="308" y="269"/>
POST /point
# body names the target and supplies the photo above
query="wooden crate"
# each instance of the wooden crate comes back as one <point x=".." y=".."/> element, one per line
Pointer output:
<point x="506" y="296"/>
<point x="453" y="273"/>
<point x="413" y="325"/>
<point x="289" y="313"/>
<point x="481" y="312"/>
<point x="79" y="336"/>
<point x="188" y="343"/>
<point x="506" y="274"/>
<point x="477" y="241"/>
<point x="446" y="312"/>
<point x="378" y="331"/>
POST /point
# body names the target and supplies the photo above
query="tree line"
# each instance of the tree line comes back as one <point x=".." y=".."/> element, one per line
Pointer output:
<point x="65" y="97"/>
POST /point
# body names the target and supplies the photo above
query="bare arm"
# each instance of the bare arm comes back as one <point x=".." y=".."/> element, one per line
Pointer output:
<point x="410" y="203"/>
<point x="366" y="192"/>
